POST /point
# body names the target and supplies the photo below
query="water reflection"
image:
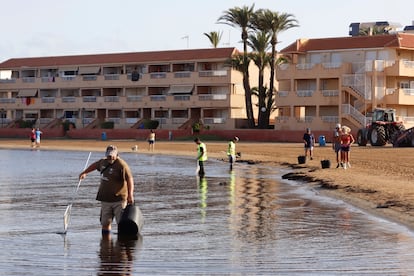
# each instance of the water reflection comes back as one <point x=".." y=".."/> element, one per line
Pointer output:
<point x="117" y="256"/>
<point x="202" y="186"/>
<point x="245" y="222"/>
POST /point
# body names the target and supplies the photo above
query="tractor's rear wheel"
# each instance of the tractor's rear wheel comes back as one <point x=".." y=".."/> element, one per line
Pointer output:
<point x="378" y="136"/>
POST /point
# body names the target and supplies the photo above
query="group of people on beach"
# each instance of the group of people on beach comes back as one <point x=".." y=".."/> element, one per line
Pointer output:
<point x="116" y="189"/>
<point x="35" y="137"/>
<point x="342" y="139"/>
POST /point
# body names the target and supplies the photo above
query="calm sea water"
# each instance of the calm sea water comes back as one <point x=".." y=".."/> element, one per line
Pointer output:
<point x="248" y="222"/>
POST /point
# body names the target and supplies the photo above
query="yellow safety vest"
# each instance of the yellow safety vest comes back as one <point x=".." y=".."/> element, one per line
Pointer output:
<point x="204" y="156"/>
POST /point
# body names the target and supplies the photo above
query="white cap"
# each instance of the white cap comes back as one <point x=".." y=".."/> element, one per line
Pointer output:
<point x="338" y="125"/>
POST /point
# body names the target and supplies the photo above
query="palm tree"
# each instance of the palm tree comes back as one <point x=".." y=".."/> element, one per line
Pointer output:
<point x="241" y="17"/>
<point x="266" y="20"/>
<point x="214" y="38"/>
<point x="259" y="42"/>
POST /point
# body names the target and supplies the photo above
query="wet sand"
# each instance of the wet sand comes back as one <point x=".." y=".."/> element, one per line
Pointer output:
<point x="380" y="180"/>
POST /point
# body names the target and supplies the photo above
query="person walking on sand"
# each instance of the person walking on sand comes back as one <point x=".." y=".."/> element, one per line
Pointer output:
<point x="231" y="151"/>
<point x="151" y="140"/>
<point x="116" y="189"/>
<point x="33" y="137"/>
<point x="201" y="156"/>
<point x="38" y="134"/>
<point x="347" y="139"/>
<point x="336" y="143"/>
<point x="309" y="142"/>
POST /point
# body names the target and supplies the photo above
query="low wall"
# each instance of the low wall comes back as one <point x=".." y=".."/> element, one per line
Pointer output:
<point x="254" y="135"/>
<point x="25" y="133"/>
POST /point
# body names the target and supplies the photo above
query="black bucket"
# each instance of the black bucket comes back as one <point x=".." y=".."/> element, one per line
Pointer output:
<point x="131" y="222"/>
<point x="326" y="164"/>
<point x="301" y="159"/>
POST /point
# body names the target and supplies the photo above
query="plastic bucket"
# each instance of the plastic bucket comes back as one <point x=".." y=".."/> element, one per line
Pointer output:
<point x="301" y="159"/>
<point x="322" y="141"/>
<point x="131" y="222"/>
<point x="103" y="136"/>
<point x="326" y="164"/>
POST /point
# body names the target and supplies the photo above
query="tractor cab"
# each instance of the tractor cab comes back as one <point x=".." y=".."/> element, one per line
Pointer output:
<point x="383" y="115"/>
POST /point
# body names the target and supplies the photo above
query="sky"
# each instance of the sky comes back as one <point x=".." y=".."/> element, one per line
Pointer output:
<point x="58" y="28"/>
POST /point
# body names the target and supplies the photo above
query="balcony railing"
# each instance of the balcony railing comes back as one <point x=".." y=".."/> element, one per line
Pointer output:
<point x="181" y="97"/>
<point x="283" y="93"/>
<point x="157" y="98"/>
<point x="182" y="74"/>
<point x="89" y="78"/>
<point x="330" y="93"/>
<point x="214" y="120"/>
<point x="7" y="80"/>
<point x="48" y="99"/>
<point x="112" y="99"/>
<point x="211" y="97"/>
<point x="305" y="93"/>
<point x="112" y="77"/>
<point x="8" y="100"/>
<point x="134" y="98"/>
<point x="68" y="78"/>
<point x="70" y="99"/>
<point x="214" y="73"/>
<point x="158" y="75"/>
<point x="29" y="79"/>
<point x="89" y="99"/>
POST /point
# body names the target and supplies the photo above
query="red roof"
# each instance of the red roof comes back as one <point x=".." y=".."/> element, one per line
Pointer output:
<point x="121" y="58"/>
<point x="398" y="40"/>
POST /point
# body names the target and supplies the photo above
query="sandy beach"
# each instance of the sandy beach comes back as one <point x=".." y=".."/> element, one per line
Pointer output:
<point x="380" y="180"/>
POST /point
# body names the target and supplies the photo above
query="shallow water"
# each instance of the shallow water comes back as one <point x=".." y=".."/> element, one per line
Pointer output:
<point x="249" y="222"/>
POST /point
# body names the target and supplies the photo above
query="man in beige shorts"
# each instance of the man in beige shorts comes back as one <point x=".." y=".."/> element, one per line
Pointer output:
<point x="116" y="189"/>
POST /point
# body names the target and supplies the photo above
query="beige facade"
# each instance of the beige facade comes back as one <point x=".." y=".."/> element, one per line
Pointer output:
<point x="176" y="88"/>
<point x="341" y="80"/>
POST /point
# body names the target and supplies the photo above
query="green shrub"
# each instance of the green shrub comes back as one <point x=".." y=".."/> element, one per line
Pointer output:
<point x="107" y="125"/>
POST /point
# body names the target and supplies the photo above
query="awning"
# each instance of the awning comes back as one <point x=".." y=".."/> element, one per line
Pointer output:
<point x="68" y="68"/>
<point x="89" y="70"/>
<point x="181" y="89"/>
<point x="25" y="93"/>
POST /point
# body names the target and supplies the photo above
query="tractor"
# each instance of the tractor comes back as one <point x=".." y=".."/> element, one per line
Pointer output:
<point x="383" y="128"/>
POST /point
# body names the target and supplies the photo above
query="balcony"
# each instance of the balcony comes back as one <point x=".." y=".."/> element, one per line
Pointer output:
<point x="400" y="68"/>
<point x="307" y="70"/>
<point x="399" y="96"/>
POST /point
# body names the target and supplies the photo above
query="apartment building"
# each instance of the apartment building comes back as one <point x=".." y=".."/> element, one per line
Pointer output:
<point x="176" y="88"/>
<point x="342" y="79"/>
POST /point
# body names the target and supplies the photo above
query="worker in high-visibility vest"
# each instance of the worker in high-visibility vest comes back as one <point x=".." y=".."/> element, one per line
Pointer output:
<point x="201" y="156"/>
<point x="231" y="151"/>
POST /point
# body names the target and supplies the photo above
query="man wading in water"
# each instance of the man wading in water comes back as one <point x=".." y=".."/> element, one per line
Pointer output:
<point x="116" y="188"/>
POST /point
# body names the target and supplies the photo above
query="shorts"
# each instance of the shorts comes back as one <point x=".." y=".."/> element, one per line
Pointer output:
<point x="337" y="147"/>
<point x="232" y="159"/>
<point x="151" y="142"/>
<point x="109" y="210"/>
<point x="345" y="148"/>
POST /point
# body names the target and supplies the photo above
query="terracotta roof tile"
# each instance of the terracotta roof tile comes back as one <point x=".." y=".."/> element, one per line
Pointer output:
<point x="399" y="40"/>
<point x="121" y="58"/>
